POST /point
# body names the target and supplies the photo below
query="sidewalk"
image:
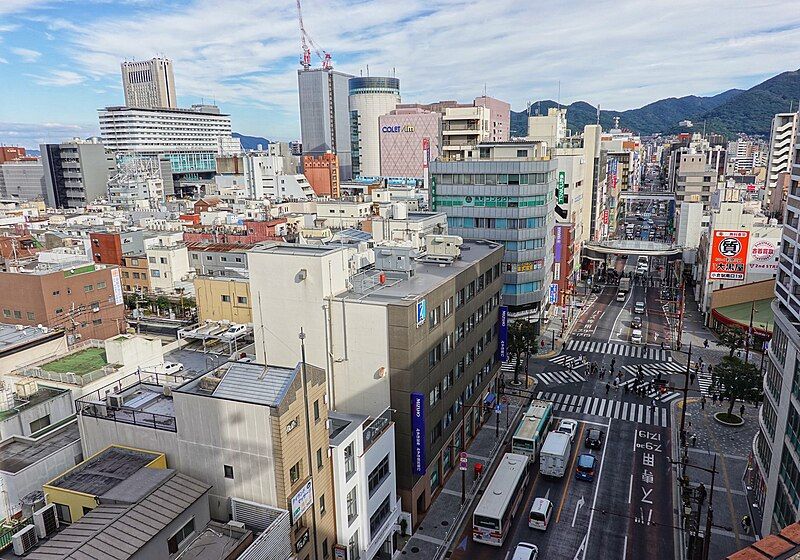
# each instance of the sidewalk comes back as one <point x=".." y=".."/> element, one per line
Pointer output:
<point x="443" y="521"/>
<point x="552" y="332"/>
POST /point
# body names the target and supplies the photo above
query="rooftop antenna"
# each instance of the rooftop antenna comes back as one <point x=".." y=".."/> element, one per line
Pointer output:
<point x="484" y="89"/>
<point x="367" y="70"/>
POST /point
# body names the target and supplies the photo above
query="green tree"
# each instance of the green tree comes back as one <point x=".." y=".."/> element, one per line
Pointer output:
<point x="163" y="303"/>
<point x="521" y="339"/>
<point x="733" y="339"/>
<point x="737" y="380"/>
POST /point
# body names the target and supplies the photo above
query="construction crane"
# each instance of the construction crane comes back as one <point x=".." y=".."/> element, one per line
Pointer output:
<point x="305" y="40"/>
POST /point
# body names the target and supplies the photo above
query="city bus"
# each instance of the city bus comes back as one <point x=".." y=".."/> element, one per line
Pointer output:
<point x="532" y="429"/>
<point x="494" y="515"/>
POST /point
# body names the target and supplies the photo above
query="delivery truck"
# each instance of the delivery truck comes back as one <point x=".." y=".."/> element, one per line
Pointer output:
<point x="554" y="455"/>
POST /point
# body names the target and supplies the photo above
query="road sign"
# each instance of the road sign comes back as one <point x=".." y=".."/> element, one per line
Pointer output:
<point x="462" y="461"/>
<point x="498" y="408"/>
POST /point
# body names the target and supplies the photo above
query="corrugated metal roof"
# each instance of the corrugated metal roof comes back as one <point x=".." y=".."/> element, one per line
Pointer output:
<point x="117" y="532"/>
<point x="250" y="383"/>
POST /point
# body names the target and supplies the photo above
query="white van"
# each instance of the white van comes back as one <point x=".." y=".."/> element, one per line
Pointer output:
<point x="636" y="336"/>
<point x="621" y="296"/>
<point x="541" y="510"/>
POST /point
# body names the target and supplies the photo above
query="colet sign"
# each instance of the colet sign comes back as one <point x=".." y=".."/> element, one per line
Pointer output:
<point x="398" y="128"/>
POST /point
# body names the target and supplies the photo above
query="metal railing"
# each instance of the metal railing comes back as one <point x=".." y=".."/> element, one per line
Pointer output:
<point x="129" y="416"/>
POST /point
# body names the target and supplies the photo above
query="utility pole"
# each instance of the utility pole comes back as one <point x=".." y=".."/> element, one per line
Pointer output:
<point x="709" y="512"/>
<point x="682" y="433"/>
<point x="749" y="333"/>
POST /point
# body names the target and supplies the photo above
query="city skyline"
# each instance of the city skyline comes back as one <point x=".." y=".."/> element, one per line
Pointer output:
<point x="59" y="63"/>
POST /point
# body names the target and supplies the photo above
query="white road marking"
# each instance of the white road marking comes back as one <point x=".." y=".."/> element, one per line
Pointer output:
<point x="578" y="506"/>
<point x="596" y="489"/>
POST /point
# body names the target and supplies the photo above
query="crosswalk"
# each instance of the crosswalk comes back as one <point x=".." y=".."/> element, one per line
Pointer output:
<point x="608" y="408"/>
<point x="619" y="349"/>
<point x="566" y="360"/>
<point x="650" y="391"/>
<point x="651" y="370"/>
<point x="560" y="377"/>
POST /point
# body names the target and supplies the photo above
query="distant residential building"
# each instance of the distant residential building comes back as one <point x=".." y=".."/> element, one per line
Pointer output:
<point x="156" y="131"/>
<point x="76" y="173"/>
<point x="223" y="298"/>
<point x="246" y="233"/>
<point x="694" y="177"/>
<point x="521" y="216"/>
<point x="370" y="97"/>
<point x="82" y="298"/>
<point x="274" y="175"/>
<point x="296" y="147"/>
<point x="135" y="274"/>
<point x="409" y="140"/>
<point x="323" y="174"/>
<point x="550" y="128"/>
<point x="149" y="84"/>
<point x="325" y="116"/>
<point x="500" y="127"/>
<point x="137" y="184"/>
<point x="218" y="259"/>
<point x="169" y="267"/>
<point x="463" y="128"/>
<point x="23" y="180"/>
<point x="781" y="148"/>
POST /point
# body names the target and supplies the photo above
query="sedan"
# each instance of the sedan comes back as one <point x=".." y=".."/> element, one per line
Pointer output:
<point x="639" y="308"/>
<point x="526" y="551"/>
<point x="594" y="439"/>
<point x="569" y="427"/>
<point x="636" y="323"/>
<point x="584" y="467"/>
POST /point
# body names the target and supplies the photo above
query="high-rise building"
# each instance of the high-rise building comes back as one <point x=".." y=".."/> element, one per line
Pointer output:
<point x="149" y="84"/>
<point x="76" y="172"/>
<point x="325" y="115"/>
<point x="505" y="192"/>
<point x="323" y="174"/>
<point x="776" y="447"/>
<point x="410" y="139"/>
<point x="370" y="97"/>
<point x="781" y="147"/>
<point x="500" y="124"/>
<point x="694" y="179"/>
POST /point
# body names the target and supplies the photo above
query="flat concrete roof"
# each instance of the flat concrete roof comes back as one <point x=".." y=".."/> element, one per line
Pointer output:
<point x="12" y="335"/>
<point x="295" y="249"/>
<point x="42" y="394"/>
<point x="17" y="453"/>
<point x="342" y="425"/>
<point x="99" y="474"/>
<point x="427" y="276"/>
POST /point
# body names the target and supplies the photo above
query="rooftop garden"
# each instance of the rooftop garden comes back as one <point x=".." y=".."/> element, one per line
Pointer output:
<point x="80" y="363"/>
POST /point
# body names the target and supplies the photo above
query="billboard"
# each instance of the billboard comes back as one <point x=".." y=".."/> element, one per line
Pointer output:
<point x="422" y="311"/>
<point x="553" y="295"/>
<point x="729" y="249"/>
<point x="426" y="153"/>
<point x="560" y="186"/>
<point x="418" y="432"/>
<point x="302" y="500"/>
<point x="762" y="257"/>
<point x="559" y="245"/>
<point x="502" y="334"/>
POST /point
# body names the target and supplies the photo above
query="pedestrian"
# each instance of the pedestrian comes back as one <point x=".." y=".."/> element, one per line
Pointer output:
<point x="691" y="378"/>
<point x="653" y="405"/>
<point x="694" y="440"/>
<point x="703" y="402"/>
<point x="626" y="389"/>
<point x="741" y="411"/>
<point x="705" y="343"/>
<point x="746" y="523"/>
<point x="608" y="387"/>
<point x="662" y="345"/>
<point x="639" y="370"/>
<point x="613" y="361"/>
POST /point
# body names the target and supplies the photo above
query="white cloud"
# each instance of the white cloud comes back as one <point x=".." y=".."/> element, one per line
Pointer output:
<point x="27" y="55"/>
<point x="59" y="78"/>
<point x="3" y="60"/>
<point x="30" y="135"/>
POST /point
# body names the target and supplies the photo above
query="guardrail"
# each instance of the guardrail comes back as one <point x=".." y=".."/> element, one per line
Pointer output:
<point x="129" y="416"/>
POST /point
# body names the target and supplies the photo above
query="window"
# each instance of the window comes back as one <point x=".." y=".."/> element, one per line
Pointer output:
<point x="294" y="472"/>
<point x="194" y="256"/>
<point x="7" y="312"/>
<point x="152" y="259"/>
<point x="59" y="311"/>
<point x="97" y="322"/>
<point x="320" y="464"/>
<point x="63" y="513"/>
<point x="136" y="275"/>
<point x="226" y="299"/>
<point x="101" y="285"/>
<point x="238" y="259"/>
<point x="241" y="300"/>
<point x="379" y="474"/>
<point x="436" y="432"/>
<point x="155" y="273"/>
<point x="228" y="471"/>
<point x="316" y="410"/>
<point x="17" y="314"/>
<point x="322" y="505"/>
<point x="349" y="461"/>
<point x="352" y="547"/>
<point x="88" y="288"/>
<point x="447" y="307"/>
<point x="163" y="260"/>
<point x="56" y="292"/>
<point x="325" y="548"/>
<point x="380" y="515"/>
<point x="42" y="422"/>
<point x="175" y="541"/>
<point x="434" y="316"/>
<point x="31" y="316"/>
<point x="436" y="394"/>
<point x="208" y="257"/>
<point x="352" y="506"/>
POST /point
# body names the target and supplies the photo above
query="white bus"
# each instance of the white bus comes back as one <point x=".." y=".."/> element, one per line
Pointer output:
<point x="494" y="515"/>
<point x="532" y="429"/>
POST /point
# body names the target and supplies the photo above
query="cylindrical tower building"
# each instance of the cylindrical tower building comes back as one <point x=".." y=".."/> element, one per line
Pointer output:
<point x="370" y="97"/>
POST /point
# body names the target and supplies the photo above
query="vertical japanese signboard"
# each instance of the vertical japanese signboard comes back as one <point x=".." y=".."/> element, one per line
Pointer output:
<point x="418" y="432"/>
<point x="559" y="244"/>
<point x="560" y="187"/>
<point x="426" y="153"/>
<point x="433" y="192"/>
<point x="502" y="334"/>
<point x="553" y="293"/>
<point x="728" y="254"/>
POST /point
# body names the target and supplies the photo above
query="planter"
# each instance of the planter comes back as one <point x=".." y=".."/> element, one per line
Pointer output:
<point x="728" y="419"/>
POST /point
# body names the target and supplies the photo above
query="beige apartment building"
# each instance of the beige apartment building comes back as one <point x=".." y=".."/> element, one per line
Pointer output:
<point x="223" y="298"/>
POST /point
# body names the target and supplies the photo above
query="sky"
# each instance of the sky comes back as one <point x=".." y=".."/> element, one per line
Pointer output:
<point x="59" y="60"/>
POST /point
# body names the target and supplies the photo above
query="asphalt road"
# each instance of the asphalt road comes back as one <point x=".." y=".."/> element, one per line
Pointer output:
<point x="626" y="512"/>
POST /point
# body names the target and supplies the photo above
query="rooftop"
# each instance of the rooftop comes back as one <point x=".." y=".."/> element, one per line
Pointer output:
<point x="215" y="542"/>
<point x="244" y="382"/>
<point x="17" y="453"/>
<point x="80" y="363"/>
<point x="16" y="337"/>
<point x="105" y="470"/>
<point x="118" y="531"/>
<point x="42" y="394"/>
<point x="218" y="247"/>
<point x="342" y="425"/>
<point x="295" y="249"/>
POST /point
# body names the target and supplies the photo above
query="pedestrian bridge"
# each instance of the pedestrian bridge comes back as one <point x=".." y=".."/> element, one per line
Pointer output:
<point x="599" y="249"/>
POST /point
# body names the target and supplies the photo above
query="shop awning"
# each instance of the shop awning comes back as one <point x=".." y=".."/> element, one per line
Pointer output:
<point x="738" y="316"/>
<point x="490" y="398"/>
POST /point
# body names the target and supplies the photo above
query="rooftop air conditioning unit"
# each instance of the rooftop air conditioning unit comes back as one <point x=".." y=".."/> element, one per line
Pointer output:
<point x="24" y="540"/>
<point x="25" y="388"/>
<point x="115" y="401"/>
<point x="46" y="521"/>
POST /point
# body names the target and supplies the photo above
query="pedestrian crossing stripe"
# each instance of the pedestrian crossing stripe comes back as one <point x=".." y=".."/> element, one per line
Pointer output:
<point x="608" y="408"/>
<point x="560" y="377"/>
<point x="619" y="349"/>
<point x="565" y="360"/>
<point x="654" y="369"/>
<point x="652" y="392"/>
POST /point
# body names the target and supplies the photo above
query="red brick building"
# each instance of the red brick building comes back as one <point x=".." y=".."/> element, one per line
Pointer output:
<point x="251" y="231"/>
<point x="323" y="174"/>
<point x="11" y="153"/>
<point x="106" y="247"/>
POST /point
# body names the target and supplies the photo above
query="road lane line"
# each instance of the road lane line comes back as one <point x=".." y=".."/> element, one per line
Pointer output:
<point x="596" y="489"/>
<point x="630" y="489"/>
<point x="624" y="548"/>
<point x="569" y="475"/>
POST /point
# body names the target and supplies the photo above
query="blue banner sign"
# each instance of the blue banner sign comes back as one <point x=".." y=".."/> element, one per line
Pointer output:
<point x="418" y="432"/>
<point x="502" y="334"/>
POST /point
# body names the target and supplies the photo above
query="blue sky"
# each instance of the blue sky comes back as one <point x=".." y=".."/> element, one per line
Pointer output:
<point x="59" y="61"/>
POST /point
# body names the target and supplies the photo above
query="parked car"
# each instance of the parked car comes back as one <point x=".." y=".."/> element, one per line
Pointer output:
<point x="584" y="467"/>
<point x="569" y="427"/>
<point x="594" y="438"/>
<point x="234" y="331"/>
<point x="171" y="368"/>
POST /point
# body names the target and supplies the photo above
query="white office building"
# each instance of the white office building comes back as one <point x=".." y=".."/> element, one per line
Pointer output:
<point x="364" y="483"/>
<point x="781" y="147"/>
<point x="273" y="175"/>
<point x="160" y="131"/>
<point x="149" y="84"/>
<point x="370" y="97"/>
